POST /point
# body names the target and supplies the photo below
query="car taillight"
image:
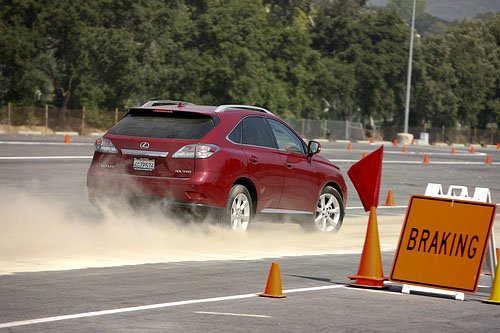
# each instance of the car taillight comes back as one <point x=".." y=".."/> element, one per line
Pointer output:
<point x="196" y="151"/>
<point x="103" y="145"/>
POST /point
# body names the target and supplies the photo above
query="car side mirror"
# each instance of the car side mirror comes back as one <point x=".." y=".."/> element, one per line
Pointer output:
<point x="313" y="148"/>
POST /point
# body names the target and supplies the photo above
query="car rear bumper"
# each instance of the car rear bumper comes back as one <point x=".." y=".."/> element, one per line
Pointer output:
<point x="202" y="188"/>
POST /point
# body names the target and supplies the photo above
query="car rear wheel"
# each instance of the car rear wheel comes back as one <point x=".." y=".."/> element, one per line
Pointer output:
<point x="329" y="212"/>
<point x="238" y="212"/>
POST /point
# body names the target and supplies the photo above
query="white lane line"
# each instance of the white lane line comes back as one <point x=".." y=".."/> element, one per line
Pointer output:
<point x="21" y="158"/>
<point x="380" y="207"/>
<point x="45" y="143"/>
<point x="151" y="307"/>
<point x="420" y="162"/>
<point x="232" y="314"/>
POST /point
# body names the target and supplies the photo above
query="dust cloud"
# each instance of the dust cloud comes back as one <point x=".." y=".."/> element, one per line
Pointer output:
<point x="40" y="234"/>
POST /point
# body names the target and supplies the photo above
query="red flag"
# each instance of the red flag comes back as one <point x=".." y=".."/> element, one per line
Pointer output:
<point x="365" y="175"/>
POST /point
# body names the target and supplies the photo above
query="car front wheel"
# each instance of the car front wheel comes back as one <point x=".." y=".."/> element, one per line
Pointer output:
<point x="238" y="212"/>
<point x="329" y="212"/>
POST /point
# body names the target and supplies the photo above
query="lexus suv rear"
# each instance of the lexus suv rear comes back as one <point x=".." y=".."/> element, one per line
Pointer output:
<point x="237" y="160"/>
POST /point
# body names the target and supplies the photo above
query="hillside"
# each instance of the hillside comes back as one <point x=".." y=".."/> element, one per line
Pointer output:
<point x="451" y="10"/>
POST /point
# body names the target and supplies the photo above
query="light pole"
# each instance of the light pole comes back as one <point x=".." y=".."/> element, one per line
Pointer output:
<point x="408" y="82"/>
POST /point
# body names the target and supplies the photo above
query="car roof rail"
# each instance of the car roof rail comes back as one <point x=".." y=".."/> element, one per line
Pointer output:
<point x="222" y="108"/>
<point x="165" y="102"/>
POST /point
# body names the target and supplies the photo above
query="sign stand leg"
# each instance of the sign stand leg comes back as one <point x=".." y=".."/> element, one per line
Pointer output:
<point x="409" y="288"/>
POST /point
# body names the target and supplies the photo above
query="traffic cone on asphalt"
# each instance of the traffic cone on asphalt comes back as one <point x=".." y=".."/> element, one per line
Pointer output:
<point x="66" y="139"/>
<point x="412" y="142"/>
<point x="349" y="146"/>
<point x="390" y="199"/>
<point x="488" y="159"/>
<point x="395" y="142"/>
<point x="498" y="145"/>
<point x="472" y="149"/>
<point x="453" y="150"/>
<point x="370" y="271"/>
<point x="404" y="149"/>
<point x="426" y="158"/>
<point x="495" y="289"/>
<point x="364" y="154"/>
<point x="273" y="286"/>
<point x="371" y="140"/>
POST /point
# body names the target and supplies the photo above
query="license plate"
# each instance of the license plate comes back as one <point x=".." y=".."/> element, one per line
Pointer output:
<point x="144" y="164"/>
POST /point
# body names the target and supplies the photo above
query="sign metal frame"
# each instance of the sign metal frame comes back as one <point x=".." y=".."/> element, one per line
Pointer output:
<point x="399" y="270"/>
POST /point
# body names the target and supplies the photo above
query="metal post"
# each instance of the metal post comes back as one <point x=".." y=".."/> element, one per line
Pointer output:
<point x="83" y="120"/>
<point x="9" y="130"/>
<point x="46" y="119"/>
<point x="408" y="82"/>
<point x="116" y="116"/>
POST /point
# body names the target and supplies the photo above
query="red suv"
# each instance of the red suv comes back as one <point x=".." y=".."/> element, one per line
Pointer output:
<point x="240" y="159"/>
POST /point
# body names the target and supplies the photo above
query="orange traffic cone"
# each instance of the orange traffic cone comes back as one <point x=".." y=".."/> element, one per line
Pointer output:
<point x="273" y="286"/>
<point x="472" y="149"/>
<point x="495" y="289"/>
<point x="364" y="154"/>
<point x="371" y="139"/>
<point x="66" y="139"/>
<point x="404" y="149"/>
<point x="390" y="199"/>
<point x="370" y="271"/>
<point x="396" y="142"/>
<point x="488" y="159"/>
<point x="412" y="142"/>
<point x="498" y="145"/>
<point x="453" y="150"/>
<point x="426" y="158"/>
<point x="349" y="146"/>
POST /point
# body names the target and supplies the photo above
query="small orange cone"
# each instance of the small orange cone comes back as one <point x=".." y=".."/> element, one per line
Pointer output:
<point x="371" y="140"/>
<point x="66" y="139"/>
<point x="390" y="199"/>
<point x="349" y="146"/>
<point x="364" y="154"/>
<point x="453" y="150"/>
<point x="426" y="158"/>
<point x="404" y="149"/>
<point x="412" y="142"/>
<point x="396" y="142"/>
<point x="472" y="149"/>
<point x="273" y="286"/>
<point x="370" y="271"/>
<point x="495" y="289"/>
<point x="498" y="145"/>
<point x="488" y="159"/>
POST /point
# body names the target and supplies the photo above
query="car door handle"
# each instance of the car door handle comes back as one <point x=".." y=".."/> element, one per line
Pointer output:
<point x="253" y="159"/>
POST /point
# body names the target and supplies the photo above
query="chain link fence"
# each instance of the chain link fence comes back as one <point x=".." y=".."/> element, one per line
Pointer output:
<point x="49" y="120"/>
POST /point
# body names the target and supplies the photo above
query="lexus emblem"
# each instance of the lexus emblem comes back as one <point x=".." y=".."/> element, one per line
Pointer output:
<point x="144" y="145"/>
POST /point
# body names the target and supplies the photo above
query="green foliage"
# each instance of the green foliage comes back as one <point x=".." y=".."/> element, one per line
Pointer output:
<point x="321" y="59"/>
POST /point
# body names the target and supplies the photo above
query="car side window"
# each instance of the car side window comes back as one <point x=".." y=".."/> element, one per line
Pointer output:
<point x="235" y="134"/>
<point x="286" y="139"/>
<point x="255" y="132"/>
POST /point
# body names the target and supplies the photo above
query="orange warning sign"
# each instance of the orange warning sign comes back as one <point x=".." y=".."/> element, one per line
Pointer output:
<point x="443" y="243"/>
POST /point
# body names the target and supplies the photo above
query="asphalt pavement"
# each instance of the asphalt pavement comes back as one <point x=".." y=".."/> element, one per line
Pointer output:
<point x="41" y="176"/>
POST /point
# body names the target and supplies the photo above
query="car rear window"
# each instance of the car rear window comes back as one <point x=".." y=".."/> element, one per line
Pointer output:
<point x="165" y="125"/>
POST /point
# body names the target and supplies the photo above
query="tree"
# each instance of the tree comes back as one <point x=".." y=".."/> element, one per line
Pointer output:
<point x="404" y="8"/>
<point x="19" y="81"/>
<point x="473" y="70"/>
<point x="433" y="99"/>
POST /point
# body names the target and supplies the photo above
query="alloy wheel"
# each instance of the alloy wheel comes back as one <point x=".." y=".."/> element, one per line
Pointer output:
<point x="327" y="213"/>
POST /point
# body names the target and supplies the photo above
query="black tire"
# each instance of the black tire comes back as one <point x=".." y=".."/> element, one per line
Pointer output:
<point x="239" y="209"/>
<point x="329" y="212"/>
